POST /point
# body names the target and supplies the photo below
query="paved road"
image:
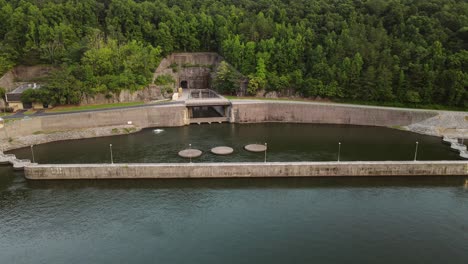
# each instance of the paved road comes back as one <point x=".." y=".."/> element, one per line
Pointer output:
<point x="20" y="114"/>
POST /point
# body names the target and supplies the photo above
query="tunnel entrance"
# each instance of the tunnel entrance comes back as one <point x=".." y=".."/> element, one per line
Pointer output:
<point x="184" y="84"/>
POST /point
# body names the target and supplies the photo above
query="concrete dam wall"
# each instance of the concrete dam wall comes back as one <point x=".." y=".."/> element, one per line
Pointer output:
<point x="238" y="170"/>
<point x="297" y="112"/>
<point x="141" y="117"/>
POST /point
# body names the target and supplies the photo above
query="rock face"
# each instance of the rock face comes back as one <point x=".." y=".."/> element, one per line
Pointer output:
<point x="272" y="94"/>
<point x="150" y="93"/>
<point x="8" y="81"/>
<point x="189" y="70"/>
<point x="14" y="77"/>
<point x="446" y="123"/>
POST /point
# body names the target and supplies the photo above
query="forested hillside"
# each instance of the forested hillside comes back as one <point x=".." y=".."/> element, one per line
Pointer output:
<point x="408" y="51"/>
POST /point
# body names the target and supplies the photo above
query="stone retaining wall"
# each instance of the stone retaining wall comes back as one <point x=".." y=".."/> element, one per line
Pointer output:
<point x="236" y="170"/>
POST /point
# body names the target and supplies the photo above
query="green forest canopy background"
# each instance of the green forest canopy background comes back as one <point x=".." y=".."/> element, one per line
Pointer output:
<point x="406" y="51"/>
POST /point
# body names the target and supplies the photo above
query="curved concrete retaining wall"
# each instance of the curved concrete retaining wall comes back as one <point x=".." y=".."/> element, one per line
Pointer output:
<point x="150" y="116"/>
<point x="235" y="170"/>
<point x="298" y="112"/>
<point x="242" y="112"/>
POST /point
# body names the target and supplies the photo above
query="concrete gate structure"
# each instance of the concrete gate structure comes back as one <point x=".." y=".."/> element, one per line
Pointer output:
<point x="194" y="72"/>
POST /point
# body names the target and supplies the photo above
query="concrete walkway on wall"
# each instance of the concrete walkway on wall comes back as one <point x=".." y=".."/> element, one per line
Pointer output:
<point x="243" y="170"/>
<point x="188" y="100"/>
<point x="11" y="159"/>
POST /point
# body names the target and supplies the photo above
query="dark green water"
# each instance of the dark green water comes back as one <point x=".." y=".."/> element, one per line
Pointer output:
<point x="294" y="220"/>
<point x="290" y="220"/>
<point x="286" y="142"/>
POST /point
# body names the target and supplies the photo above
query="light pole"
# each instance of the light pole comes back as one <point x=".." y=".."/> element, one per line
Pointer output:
<point x="266" y="147"/>
<point x="190" y="156"/>
<point x="112" y="157"/>
<point x="32" y="154"/>
<point x="339" y="151"/>
<point x="416" y="151"/>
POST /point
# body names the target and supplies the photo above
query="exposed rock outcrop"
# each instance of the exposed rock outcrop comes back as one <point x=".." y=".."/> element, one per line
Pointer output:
<point x="21" y="74"/>
<point x="150" y="93"/>
<point x="452" y="124"/>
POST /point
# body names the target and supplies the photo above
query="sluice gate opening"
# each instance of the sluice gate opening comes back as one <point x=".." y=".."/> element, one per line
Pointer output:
<point x="206" y="106"/>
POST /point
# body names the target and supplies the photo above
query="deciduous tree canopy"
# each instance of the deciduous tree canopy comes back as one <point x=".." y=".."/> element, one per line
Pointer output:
<point x="409" y="51"/>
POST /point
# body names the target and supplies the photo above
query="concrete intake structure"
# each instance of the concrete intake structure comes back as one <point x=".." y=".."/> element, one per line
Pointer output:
<point x="243" y="170"/>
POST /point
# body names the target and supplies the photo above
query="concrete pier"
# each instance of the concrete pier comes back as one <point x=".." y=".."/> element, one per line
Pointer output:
<point x="18" y="164"/>
<point x="236" y="170"/>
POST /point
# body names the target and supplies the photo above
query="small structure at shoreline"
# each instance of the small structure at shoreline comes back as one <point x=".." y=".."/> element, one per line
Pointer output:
<point x="13" y="98"/>
<point x="18" y="164"/>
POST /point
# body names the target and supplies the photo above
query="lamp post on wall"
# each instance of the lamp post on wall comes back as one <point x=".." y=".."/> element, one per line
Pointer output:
<point x="266" y="147"/>
<point x="190" y="147"/>
<point x="339" y="151"/>
<point x="112" y="157"/>
<point x="4" y="120"/>
<point x="416" y="151"/>
<point x="32" y="154"/>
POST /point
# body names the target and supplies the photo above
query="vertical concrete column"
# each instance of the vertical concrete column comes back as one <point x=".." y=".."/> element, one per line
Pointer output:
<point x="187" y="114"/>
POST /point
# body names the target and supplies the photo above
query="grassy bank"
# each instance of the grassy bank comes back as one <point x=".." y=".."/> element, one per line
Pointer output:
<point x="62" y="109"/>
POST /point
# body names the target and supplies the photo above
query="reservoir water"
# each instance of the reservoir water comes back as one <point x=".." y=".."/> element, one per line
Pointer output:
<point x="289" y="220"/>
<point x="292" y="220"/>
<point x="286" y="142"/>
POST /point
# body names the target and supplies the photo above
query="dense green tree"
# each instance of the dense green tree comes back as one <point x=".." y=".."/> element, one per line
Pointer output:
<point x="227" y="79"/>
<point x="408" y="51"/>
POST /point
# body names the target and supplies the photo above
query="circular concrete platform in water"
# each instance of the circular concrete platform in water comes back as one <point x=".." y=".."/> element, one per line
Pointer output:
<point x="190" y="153"/>
<point x="222" y="150"/>
<point x="256" y="148"/>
